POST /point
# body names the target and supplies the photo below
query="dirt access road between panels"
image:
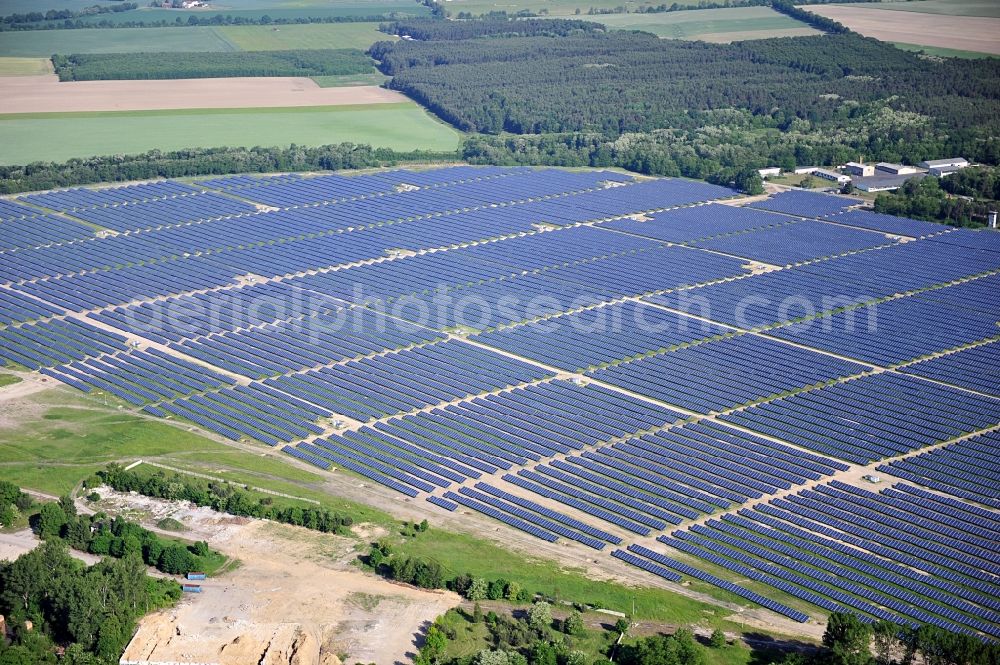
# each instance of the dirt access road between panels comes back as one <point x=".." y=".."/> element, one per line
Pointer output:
<point x="45" y="94"/>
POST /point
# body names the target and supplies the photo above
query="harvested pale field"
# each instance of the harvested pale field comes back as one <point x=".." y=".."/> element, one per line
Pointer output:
<point x="45" y="94"/>
<point x="743" y="35"/>
<point x="966" y="33"/>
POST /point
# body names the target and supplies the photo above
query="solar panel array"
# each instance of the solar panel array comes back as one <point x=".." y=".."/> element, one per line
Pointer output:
<point x="902" y="554"/>
<point x="579" y="355"/>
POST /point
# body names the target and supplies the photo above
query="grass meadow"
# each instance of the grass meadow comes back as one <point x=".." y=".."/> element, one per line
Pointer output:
<point x="943" y="52"/>
<point x="25" y="66"/>
<point x="60" y="136"/>
<point x="43" y="43"/>
<point x="305" y="36"/>
<point x="711" y="24"/>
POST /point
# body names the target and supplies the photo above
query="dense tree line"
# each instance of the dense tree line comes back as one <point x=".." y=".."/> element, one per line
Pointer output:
<point x="707" y="144"/>
<point x="90" y="611"/>
<point x="14" y="503"/>
<point x="977" y="182"/>
<point x="656" y="9"/>
<point x="317" y="62"/>
<point x="815" y="20"/>
<point x="223" y="497"/>
<point x="620" y="82"/>
<point x="430" y="30"/>
<point x="192" y="20"/>
<point x="116" y="537"/>
<point x="957" y="203"/>
<point x="63" y="14"/>
<point x="204" y="161"/>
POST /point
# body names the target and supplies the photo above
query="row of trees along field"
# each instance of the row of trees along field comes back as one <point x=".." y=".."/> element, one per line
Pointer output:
<point x="205" y="161"/>
<point x="87" y="612"/>
<point x="223" y="497"/>
<point x="13" y="22"/>
<point x="317" y="62"/>
<point x="535" y="637"/>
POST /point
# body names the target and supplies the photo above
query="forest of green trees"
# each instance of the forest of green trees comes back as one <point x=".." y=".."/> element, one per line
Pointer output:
<point x="426" y="30"/>
<point x="103" y="66"/>
<point x="534" y="637"/>
<point x="812" y="100"/>
<point x="963" y="198"/>
<point x="90" y="611"/>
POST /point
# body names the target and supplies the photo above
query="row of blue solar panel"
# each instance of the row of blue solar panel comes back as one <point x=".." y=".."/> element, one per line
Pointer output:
<point x="826" y="573"/>
<point x="22" y="233"/>
<point x="16" y="307"/>
<point x="141" y="377"/>
<point x="795" y="242"/>
<point x="299" y="344"/>
<point x="698" y="222"/>
<point x="498" y="431"/>
<point x="72" y="199"/>
<point x="825" y="286"/>
<point x="966" y="469"/>
<point x="894" y="331"/>
<point x="287" y="191"/>
<point x="37" y="345"/>
<point x="199" y="314"/>
<point x="877" y="416"/>
<point x="407" y="380"/>
<point x="977" y="368"/>
<point x="593" y="337"/>
<point x="643" y="484"/>
<point x="715" y="376"/>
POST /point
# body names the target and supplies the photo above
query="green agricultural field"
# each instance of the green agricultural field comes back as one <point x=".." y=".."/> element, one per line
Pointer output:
<point x="43" y="43"/>
<point x="711" y="24"/>
<point x="943" y="52"/>
<point x="25" y="66"/>
<point x="61" y="136"/>
<point x="987" y="8"/>
<point x="375" y="78"/>
<point x="24" y="6"/>
<point x="550" y="7"/>
<point x="153" y="15"/>
<point x="305" y="36"/>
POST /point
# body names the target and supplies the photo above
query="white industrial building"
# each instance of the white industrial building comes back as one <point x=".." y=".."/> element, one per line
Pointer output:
<point x="769" y="171"/>
<point x="838" y="178"/>
<point x="859" y="169"/>
<point x="956" y="162"/>
<point x="895" y="169"/>
<point x="942" y="171"/>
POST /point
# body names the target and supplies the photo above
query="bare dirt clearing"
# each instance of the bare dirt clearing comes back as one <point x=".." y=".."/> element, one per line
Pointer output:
<point x="295" y="598"/>
<point x="14" y="544"/>
<point x="967" y="33"/>
<point x="45" y="94"/>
